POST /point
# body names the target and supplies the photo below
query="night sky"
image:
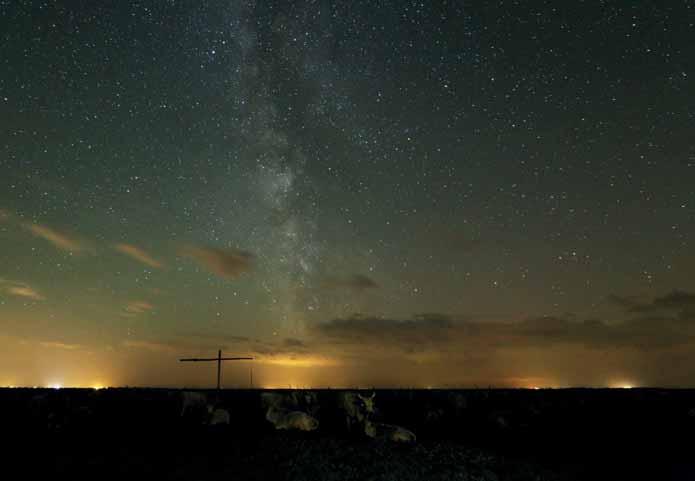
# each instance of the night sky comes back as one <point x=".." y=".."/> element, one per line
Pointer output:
<point x="392" y="193"/>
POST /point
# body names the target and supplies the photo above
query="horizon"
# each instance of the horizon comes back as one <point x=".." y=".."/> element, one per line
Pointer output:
<point x="351" y="388"/>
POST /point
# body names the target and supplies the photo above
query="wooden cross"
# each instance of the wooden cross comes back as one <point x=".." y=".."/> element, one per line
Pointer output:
<point x="219" y="360"/>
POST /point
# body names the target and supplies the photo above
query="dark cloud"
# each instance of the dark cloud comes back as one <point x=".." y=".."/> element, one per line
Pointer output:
<point x="626" y="302"/>
<point x="677" y="301"/>
<point x="357" y="282"/>
<point x="286" y="346"/>
<point x="550" y="331"/>
<point x="229" y="263"/>
<point x="637" y="332"/>
<point x="434" y="331"/>
<point x="406" y="334"/>
<point x="291" y="342"/>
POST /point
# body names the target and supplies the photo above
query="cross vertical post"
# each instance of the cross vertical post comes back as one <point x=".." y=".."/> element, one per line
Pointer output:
<point x="219" y="360"/>
<point x="219" y="367"/>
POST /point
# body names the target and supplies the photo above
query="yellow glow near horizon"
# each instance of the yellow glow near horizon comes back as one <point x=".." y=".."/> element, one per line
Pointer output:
<point x="623" y="385"/>
<point x="57" y="386"/>
<point x="303" y="362"/>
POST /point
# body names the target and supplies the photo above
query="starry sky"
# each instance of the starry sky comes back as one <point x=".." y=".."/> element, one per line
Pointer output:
<point x="396" y="193"/>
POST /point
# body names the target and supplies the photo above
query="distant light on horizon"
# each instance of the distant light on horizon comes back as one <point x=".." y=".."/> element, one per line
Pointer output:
<point x="623" y="385"/>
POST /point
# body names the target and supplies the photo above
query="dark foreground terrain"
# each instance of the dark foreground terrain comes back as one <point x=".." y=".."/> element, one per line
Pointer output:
<point x="573" y="434"/>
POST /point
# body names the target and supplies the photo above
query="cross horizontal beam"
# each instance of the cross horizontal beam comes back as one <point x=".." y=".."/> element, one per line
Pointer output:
<point x="217" y="359"/>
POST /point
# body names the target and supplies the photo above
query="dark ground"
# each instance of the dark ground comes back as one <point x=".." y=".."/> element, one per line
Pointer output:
<point x="576" y="434"/>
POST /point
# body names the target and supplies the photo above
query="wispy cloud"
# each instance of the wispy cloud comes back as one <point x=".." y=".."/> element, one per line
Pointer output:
<point x="27" y="292"/>
<point x="21" y="289"/>
<point x="58" y="239"/>
<point x="150" y="346"/>
<point x="229" y="263"/>
<point x="139" y="255"/>
<point x="138" y="307"/>
<point x="59" y="345"/>
<point x="357" y="282"/>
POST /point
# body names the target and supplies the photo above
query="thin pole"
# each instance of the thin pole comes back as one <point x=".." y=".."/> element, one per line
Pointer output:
<point x="219" y="367"/>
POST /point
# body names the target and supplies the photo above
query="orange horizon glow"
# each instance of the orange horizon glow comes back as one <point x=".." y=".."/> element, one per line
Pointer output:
<point x="303" y="362"/>
<point x="293" y="383"/>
